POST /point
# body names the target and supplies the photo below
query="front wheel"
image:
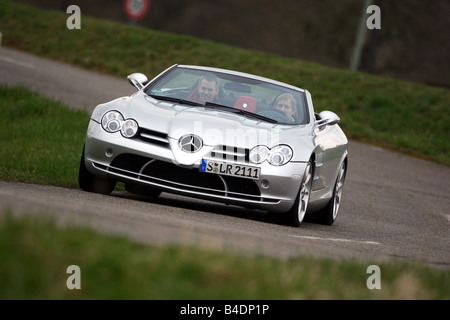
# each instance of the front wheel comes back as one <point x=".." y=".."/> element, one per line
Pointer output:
<point x="92" y="183"/>
<point x="329" y="214"/>
<point x="296" y="215"/>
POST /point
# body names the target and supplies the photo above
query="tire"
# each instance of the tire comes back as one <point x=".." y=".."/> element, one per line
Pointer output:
<point x="329" y="214"/>
<point x="296" y="215"/>
<point x="92" y="183"/>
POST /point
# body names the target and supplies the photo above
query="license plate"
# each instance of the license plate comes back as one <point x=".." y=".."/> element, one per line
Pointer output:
<point x="230" y="169"/>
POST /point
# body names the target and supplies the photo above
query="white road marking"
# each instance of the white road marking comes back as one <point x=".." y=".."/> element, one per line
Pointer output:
<point x="17" y="62"/>
<point x="335" y="239"/>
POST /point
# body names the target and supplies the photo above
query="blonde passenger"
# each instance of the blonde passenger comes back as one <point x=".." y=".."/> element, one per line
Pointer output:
<point x="287" y="103"/>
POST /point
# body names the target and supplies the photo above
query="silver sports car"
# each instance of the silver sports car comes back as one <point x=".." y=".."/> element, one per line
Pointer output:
<point x="219" y="135"/>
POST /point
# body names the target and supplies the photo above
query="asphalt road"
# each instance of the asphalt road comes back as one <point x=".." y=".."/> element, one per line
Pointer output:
<point x="394" y="206"/>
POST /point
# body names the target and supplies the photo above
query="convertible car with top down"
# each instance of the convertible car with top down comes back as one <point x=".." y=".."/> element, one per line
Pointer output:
<point x="219" y="135"/>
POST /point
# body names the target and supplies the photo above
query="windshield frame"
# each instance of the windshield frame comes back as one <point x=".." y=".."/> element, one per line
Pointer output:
<point x="232" y="83"/>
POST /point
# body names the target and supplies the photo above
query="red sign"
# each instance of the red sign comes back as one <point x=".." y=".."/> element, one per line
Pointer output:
<point x="136" y="9"/>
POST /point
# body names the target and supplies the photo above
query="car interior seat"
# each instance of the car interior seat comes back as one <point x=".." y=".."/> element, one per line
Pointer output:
<point x="246" y="103"/>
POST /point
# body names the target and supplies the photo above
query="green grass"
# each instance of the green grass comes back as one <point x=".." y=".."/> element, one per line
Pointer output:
<point x="35" y="254"/>
<point x="41" y="140"/>
<point x="399" y="115"/>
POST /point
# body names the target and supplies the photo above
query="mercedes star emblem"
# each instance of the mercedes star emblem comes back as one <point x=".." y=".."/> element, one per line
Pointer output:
<point x="190" y="143"/>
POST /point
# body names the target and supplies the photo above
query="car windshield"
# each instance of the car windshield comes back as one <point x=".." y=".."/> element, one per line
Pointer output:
<point x="214" y="89"/>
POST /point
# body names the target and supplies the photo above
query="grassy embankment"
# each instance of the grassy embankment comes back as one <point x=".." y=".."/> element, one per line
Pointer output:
<point x="41" y="141"/>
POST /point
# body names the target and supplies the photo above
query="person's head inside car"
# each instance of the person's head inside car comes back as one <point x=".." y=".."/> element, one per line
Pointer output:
<point x="286" y="103"/>
<point x="208" y="89"/>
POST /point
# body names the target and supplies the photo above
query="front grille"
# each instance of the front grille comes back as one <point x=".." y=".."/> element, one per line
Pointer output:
<point x="184" y="179"/>
<point x="153" y="137"/>
<point x="227" y="153"/>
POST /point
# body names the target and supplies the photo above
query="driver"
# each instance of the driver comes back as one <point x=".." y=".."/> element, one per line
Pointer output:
<point x="287" y="103"/>
<point x="207" y="90"/>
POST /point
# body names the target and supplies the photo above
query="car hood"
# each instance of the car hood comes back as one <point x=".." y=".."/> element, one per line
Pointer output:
<point x="214" y="126"/>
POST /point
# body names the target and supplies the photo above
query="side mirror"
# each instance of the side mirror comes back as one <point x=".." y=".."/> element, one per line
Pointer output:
<point x="327" y="118"/>
<point x="138" y="80"/>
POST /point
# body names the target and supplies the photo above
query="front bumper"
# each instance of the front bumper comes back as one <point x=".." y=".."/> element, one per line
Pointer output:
<point x="152" y="163"/>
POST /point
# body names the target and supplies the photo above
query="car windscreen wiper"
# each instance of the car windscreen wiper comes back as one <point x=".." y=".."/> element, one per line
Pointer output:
<point x="177" y="100"/>
<point x="240" y="111"/>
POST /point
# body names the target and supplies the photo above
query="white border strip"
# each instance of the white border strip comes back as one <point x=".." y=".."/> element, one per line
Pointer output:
<point x="16" y="62"/>
<point x="335" y="239"/>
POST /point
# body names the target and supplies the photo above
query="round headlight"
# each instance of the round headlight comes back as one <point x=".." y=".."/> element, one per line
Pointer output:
<point x="259" y="154"/>
<point x="112" y="121"/>
<point x="280" y="155"/>
<point x="129" y="128"/>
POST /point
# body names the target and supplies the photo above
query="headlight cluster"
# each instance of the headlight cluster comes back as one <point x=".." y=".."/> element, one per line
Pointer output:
<point x="113" y="121"/>
<point x="277" y="156"/>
